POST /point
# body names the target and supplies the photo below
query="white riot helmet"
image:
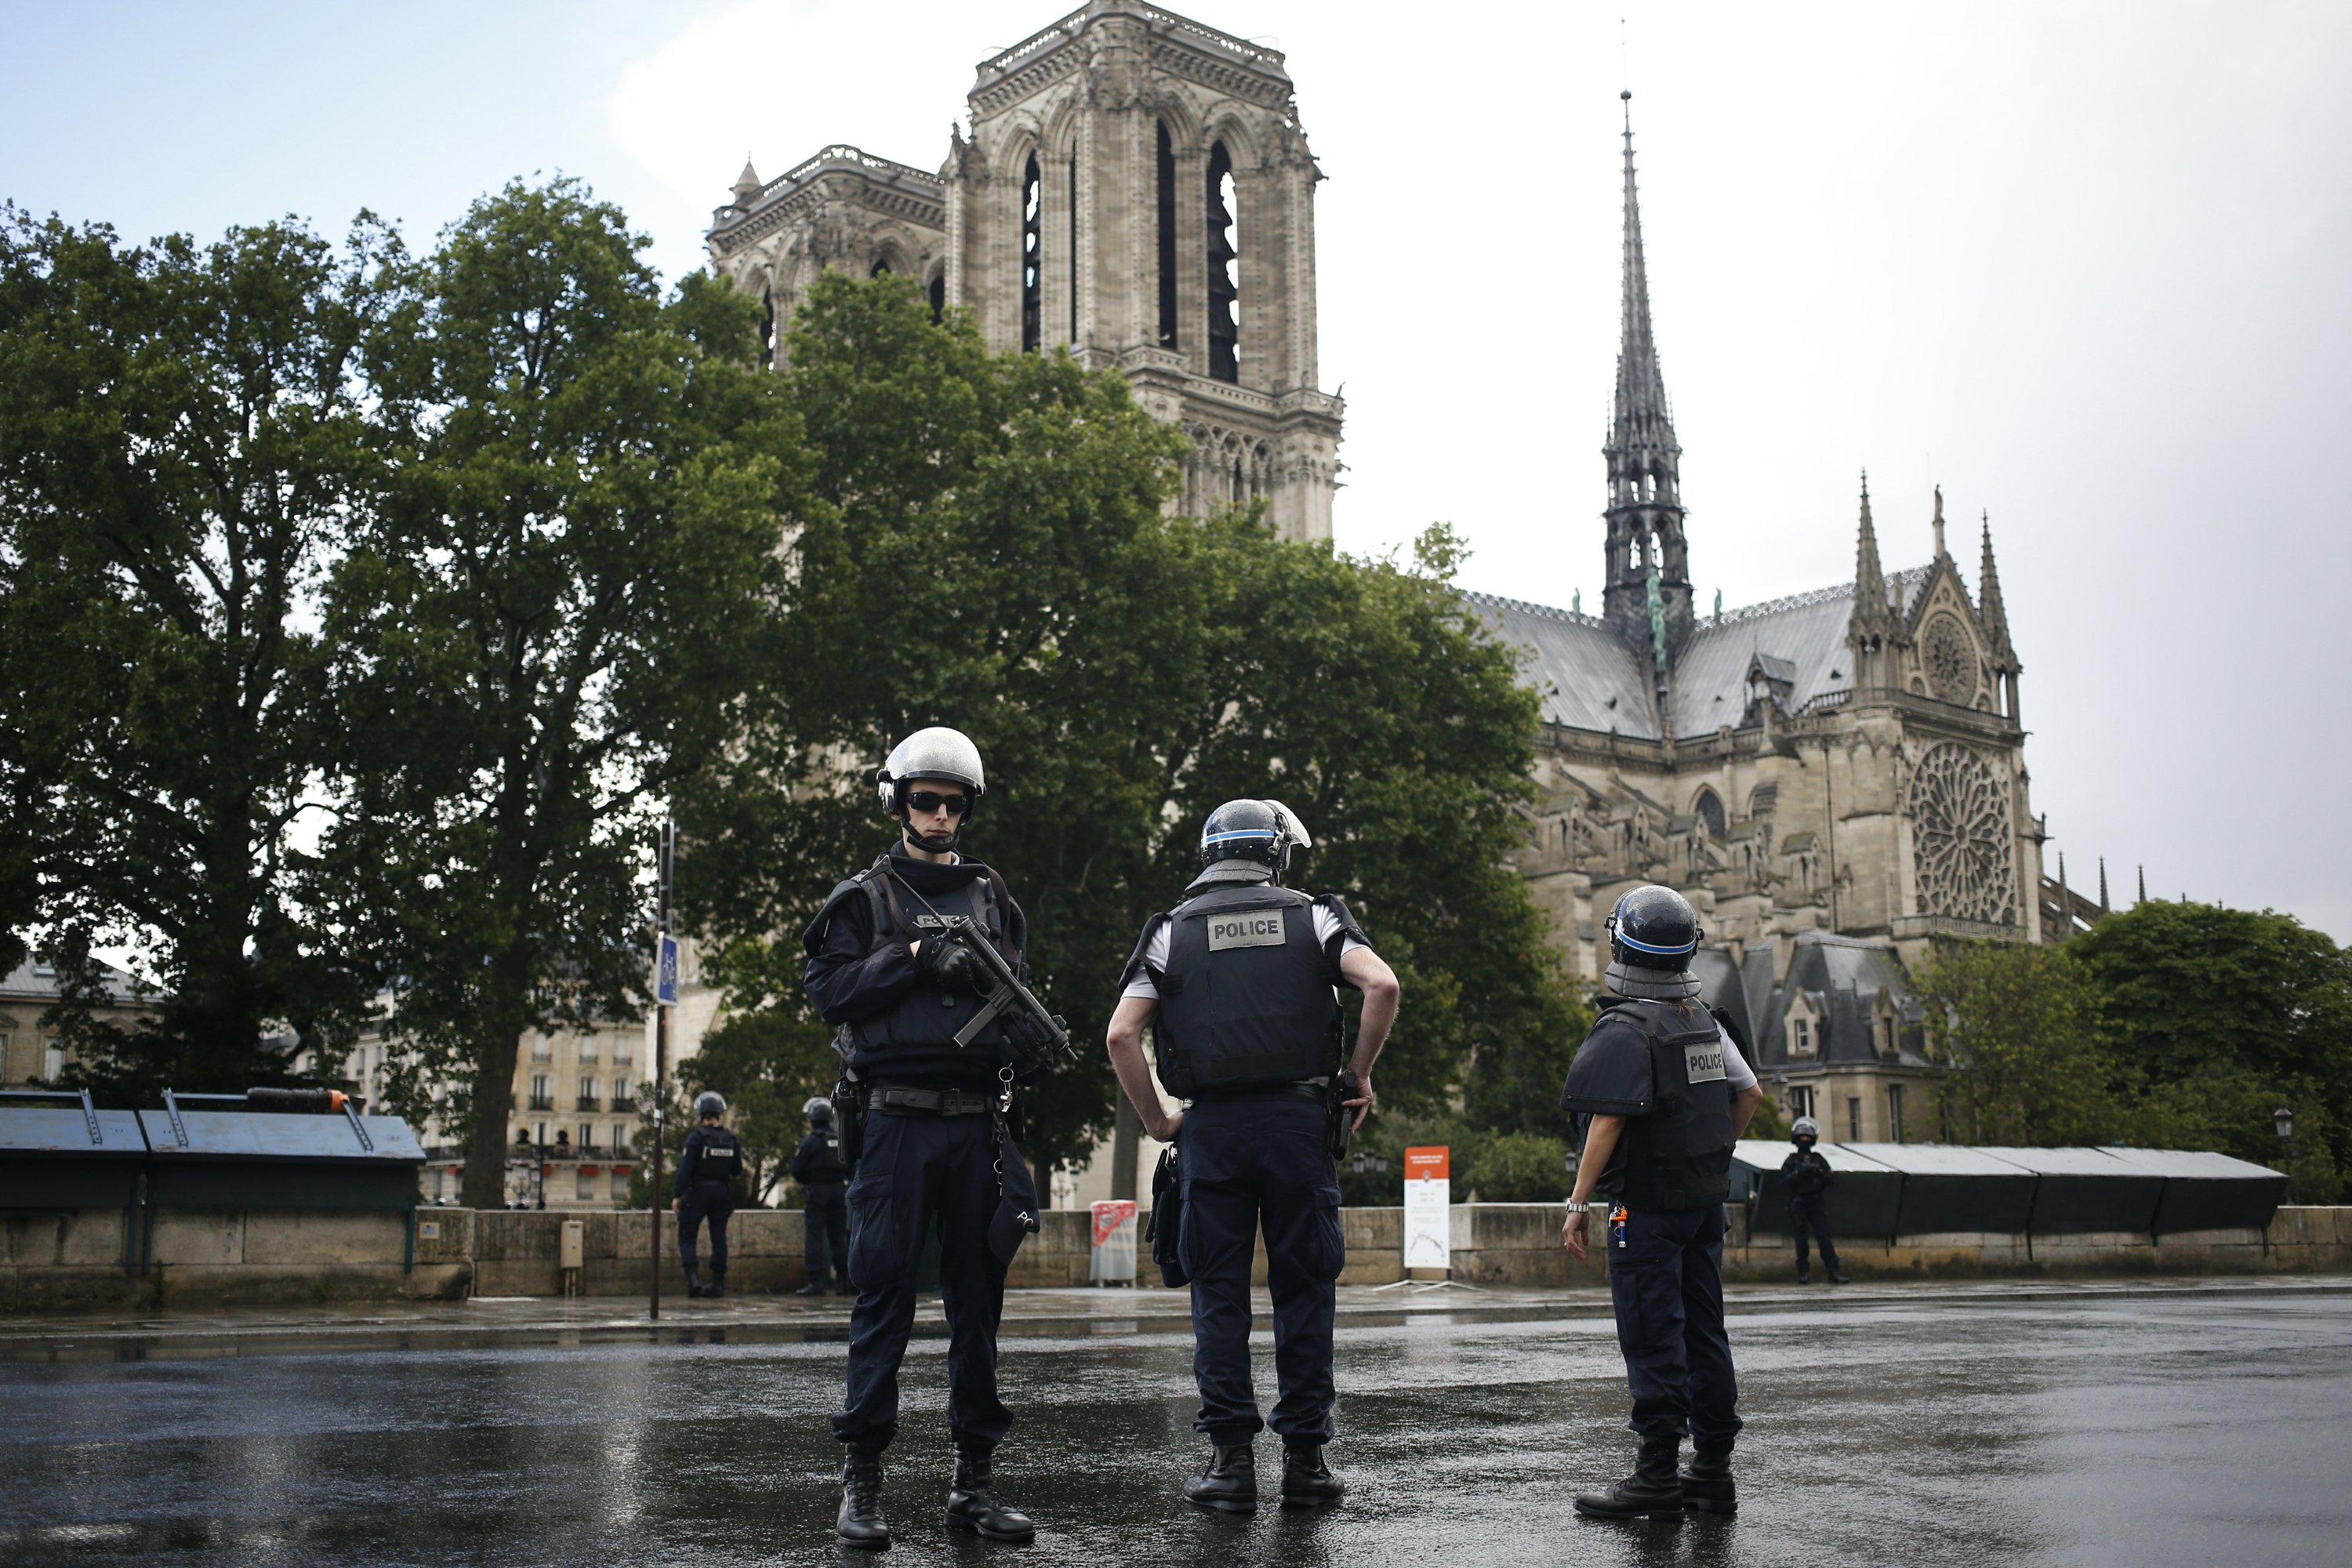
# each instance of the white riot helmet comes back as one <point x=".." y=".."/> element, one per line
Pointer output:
<point x="937" y="752"/>
<point x="1804" y="1129"/>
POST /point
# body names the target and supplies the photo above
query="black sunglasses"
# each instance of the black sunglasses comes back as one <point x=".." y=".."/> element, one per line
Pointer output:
<point x="933" y="800"/>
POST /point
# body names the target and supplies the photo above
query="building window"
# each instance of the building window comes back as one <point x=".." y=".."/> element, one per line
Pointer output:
<point x="542" y="1048"/>
<point x="620" y="1094"/>
<point x="1225" y="290"/>
<point x="1886" y="1039"/>
<point x="53" y="1059"/>
<point x="1710" y="811"/>
<point x="587" y="1047"/>
<point x="539" y="1133"/>
<point x="1167" y="241"/>
<point x="588" y="1100"/>
<point x="1800" y="1103"/>
<point x="540" y="1095"/>
<point x="620" y="1184"/>
<point x="1894" y="1112"/>
<point x="1032" y="235"/>
<point x="939" y="292"/>
<point x="768" y="325"/>
<point x="587" y="1187"/>
<point x="587" y="1136"/>
<point x="1801" y="1037"/>
<point x="881" y="268"/>
<point x="1854" y="1120"/>
<point x="620" y="1137"/>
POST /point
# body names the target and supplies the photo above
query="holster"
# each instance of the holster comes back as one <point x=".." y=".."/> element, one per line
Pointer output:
<point x="1338" y="1124"/>
<point x="849" y="1109"/>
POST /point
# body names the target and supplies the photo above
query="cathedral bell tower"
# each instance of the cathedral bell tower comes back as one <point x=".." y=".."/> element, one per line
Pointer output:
<point x="1648" y="593"/>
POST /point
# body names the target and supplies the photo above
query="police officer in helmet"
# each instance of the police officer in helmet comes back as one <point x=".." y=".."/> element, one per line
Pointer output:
<point x="1237" y="984"/>
<point x="1662" y="1092"/>
<point x="937" y="1154"/>
<point x="1806" y="1175"/>
<point x="705" y="1190"/>
<point x="823" y="1175"/>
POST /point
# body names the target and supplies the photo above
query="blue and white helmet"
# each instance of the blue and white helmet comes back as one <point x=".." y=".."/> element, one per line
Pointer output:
<point x="1654" y="928"/>
<point x="1249" y="841"/>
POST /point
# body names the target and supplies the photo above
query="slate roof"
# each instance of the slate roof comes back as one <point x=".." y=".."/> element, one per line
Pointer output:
<point x="1591" y="678"/>
<point x="29" y="982"/>
<point x="1843" y="975"/>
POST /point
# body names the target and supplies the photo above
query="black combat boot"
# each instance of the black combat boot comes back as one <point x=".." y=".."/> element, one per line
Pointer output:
<point x="694" y="1282"/>
<point x="1805" y="1275"/>
<point x="813" y="1287"/>
<point x="1231" y="1484"/>
<point x="1707" y="1482"/>
<point x="974" y="1502"/>
<point x="1307" y="1480"/>
<point x="859" y="1523"/>
<point x="1654" y="1490"/>
<point x="716" y="1288"/>
<point x="1837" y="1277"/>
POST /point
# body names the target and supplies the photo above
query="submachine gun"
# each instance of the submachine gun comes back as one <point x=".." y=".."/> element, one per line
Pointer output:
<point x="1006" y="993"/>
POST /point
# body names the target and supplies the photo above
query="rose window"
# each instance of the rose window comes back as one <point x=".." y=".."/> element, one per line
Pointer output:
<point x="1950" y="658"/>
<point x="1961" y="834"/>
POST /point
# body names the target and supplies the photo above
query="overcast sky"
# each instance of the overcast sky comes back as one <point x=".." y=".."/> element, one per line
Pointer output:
<point x="2088" y="266"/>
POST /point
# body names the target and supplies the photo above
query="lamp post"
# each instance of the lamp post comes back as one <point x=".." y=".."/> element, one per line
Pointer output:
<point x="2283" y="1119"/>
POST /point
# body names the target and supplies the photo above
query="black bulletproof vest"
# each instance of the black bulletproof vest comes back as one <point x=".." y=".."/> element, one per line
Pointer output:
<point x="828" y="1168"/>
<point x="722" y="1159"/>
<point x="1679" y="1156"/>
<point x="1247" y="998"/>
<point x="912" y="1042"/>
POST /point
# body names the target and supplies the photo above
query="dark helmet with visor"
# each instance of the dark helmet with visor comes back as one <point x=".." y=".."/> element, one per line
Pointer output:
<point x="1249" y="841"/>
<point x="1654" y="928"/>
<point x="710" y="1102"/>
<point x="819" y="1111"/>
<point x="1805" y="1132"/>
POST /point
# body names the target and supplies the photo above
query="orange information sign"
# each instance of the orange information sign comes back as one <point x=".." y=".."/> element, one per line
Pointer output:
<point x="1428" y="1164"/>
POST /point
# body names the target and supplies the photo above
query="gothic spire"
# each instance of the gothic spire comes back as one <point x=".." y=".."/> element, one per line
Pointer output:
<point x="1645" y="510"/>
<point x="1988" y="605"/>
<point x="1869" y="581"/>
<point x="747" y="184"/>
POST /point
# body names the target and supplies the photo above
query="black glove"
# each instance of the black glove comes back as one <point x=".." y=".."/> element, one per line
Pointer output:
<point x="950" y="965"/>
<point x="1029" y="1043"/>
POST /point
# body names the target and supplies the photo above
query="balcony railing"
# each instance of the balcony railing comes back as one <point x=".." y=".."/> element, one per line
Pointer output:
<point x="543" y="1102"/>
<point x="622" y="1103"/>
<point x="590" y="1102"/>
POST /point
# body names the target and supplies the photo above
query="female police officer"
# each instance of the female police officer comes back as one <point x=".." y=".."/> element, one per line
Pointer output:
<point x="1663" y="1096"/>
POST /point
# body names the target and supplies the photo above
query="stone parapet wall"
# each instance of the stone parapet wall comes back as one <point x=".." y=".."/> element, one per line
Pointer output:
<point x="64" y="1261"/>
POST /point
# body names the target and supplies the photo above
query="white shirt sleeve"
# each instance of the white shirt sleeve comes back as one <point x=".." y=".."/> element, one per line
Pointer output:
<point x="1736" y="1070"/>
<point x="1327" y="926"/>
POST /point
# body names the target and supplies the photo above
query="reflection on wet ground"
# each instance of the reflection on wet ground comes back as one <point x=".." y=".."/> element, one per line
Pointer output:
<point x="1917" y="1426"/>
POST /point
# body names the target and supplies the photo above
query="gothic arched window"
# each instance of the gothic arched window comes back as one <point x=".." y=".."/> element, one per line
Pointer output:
<point x="1225" y="290"/>
<point x="1710" y="811"/>
<point x="768" y="323"/>
<point x="1031" y="276"/>
<point x="938" y="293"/>
<point x="1166" y="239"/>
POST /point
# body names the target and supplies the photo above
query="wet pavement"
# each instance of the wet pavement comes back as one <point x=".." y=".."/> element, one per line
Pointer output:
<point x="2141" y="1423"/>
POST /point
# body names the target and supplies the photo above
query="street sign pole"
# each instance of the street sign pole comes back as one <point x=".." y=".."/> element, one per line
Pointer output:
<point x="664" y="994"/>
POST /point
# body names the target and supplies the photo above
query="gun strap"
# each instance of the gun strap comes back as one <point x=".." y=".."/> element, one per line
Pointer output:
<point x="891" y="883"/>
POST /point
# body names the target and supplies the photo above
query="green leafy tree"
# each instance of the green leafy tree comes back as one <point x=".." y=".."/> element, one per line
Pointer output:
<point x="553" y="616"/>
<point x="2017" y="1026"/>
<point x="2220" y="1016"/>
<point x="985" y="544"/>
<point x="185" y="432"/>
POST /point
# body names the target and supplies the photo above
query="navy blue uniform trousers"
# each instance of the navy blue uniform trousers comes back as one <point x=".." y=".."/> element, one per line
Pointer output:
<point x="825" y="1233"/>
<point x="1246" y="1160"/>
<point x="921" y="1174"/>
<point x="1813" y="1212"/>
<point x="710" y="1201"/>
<point x="1666" y="1283"/>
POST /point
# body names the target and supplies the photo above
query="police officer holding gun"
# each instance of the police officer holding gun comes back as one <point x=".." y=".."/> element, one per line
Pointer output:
<point x="918" y="962"/>
<point x="1237" y="984"/>
<point x="705" y="1190"/>
<point x="823" y="1175"/>
<point x="1662" y="1093"/>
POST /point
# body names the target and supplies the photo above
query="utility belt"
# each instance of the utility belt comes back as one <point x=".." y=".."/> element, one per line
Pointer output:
<point x="1314" y="1089"/>
<point x="894" y="1100"/>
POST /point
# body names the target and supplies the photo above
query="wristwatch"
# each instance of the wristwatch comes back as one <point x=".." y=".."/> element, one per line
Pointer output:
<point x="1580" y="1208"/>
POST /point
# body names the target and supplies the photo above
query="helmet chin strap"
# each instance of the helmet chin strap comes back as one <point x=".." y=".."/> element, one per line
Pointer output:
<point x="936" y="843"/>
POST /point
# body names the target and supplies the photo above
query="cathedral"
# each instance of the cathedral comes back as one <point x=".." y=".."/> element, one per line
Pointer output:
<point x="1136" y="188"/>
<point x="1832" y="778"/>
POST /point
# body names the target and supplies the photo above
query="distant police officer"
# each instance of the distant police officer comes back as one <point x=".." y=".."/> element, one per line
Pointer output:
<point x="706" y="1191"/>
<point x="1662" y="1093"/>
<point x="936" y="1156"/>
<point x="1237" y="983"/>
<point x="824" y="1176"/>
<point x="1809" y="1178"/>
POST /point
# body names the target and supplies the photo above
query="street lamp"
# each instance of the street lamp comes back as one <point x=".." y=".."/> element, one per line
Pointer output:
<point x="2283" y="1120"/>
